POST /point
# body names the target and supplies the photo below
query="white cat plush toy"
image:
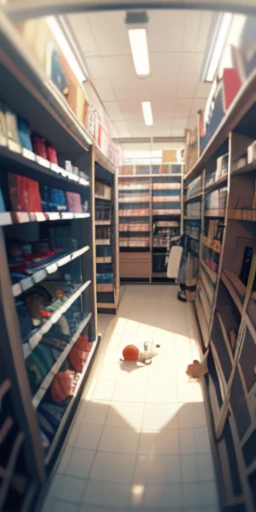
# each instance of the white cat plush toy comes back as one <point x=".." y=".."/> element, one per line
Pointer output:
<point x="133" y="354"/>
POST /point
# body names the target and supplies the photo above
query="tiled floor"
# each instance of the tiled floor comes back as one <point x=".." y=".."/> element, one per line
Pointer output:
<point x="139" y="439"/>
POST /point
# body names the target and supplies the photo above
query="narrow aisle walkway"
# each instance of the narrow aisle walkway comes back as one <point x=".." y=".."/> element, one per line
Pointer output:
<point x="139" y="439"/>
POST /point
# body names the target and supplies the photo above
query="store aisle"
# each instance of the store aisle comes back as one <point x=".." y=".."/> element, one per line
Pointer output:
<point x="139" y="439"/>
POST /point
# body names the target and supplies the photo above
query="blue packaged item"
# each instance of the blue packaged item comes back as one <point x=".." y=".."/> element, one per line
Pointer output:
<point x="44" y="192"/>
<point x="2" y="205"/>
<point x="24" y="133"/>
<point x="26" y="325"/>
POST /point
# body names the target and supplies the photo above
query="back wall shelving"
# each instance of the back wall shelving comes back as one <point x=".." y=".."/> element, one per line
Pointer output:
<point x="150" y="213"/>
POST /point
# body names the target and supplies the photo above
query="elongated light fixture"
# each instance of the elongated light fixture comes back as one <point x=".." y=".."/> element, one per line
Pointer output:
<point x="139" y="48"/>
<point x="216" y="48"/>
<point x="65" y="48"/>
<point x="147" y="112"/>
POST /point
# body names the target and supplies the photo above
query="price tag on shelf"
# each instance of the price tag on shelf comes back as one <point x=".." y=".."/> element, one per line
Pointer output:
<point x="40" y="216"/>
<point x="42" y="161"/>
<point x="28" y="154"/>
<point x="16" y="289"/>
<point x="53" y="215"/>
<point x="39" y="275"/>
<point x="14" y="146"/>
<point x="26" y="283"/>
<point x="55" y="168"/>
<point x="67" y="215"/>
<point x="34" y="340"/>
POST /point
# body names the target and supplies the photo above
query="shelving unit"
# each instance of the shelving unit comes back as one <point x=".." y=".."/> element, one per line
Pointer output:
<point x="47" y="273"/>
<point x="106" y="236"/>
<point x="226" y="315"/>
<point x="150" y="212"/>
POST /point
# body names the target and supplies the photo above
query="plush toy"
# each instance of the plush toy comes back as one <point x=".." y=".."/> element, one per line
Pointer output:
<point x="132" y="354"/>
<point x="197" y="370"/>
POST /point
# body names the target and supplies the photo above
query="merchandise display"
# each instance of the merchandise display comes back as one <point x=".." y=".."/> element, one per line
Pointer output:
<point x="107" y="284"/>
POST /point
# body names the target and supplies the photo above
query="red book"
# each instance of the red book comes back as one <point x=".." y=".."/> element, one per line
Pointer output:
<point x="231" y="86"/>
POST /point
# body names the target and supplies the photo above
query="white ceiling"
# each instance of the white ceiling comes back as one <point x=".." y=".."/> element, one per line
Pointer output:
<point x="177" y="41"/>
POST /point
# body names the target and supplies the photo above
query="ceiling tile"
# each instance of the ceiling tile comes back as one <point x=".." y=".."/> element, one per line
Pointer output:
<point x="113" y="111"/>
<point x="197" y="104"/>
<point x="197" y="26"/>
<point x="119" y="66"/>
<point x="121" y="128"/>
<point x="110" y="32"/>
<point x="178" y="127"/>
<point x="165" y="30"/>
<point x="163" y="107"/>
<point x="203" y="90"/>
<point x="191" y="62"/>
<point x="164" y="63"/>
<point x="81" y="28"/>
<point x="187" y="84"/>
<point x="192" y="122"/>
<point x="104" y="89"/>
<point x="95" y="67"/>
<point x="182" y="107"/>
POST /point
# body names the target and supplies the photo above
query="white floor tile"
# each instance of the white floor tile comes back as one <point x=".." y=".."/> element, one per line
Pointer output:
<point x="119" y="440"/>
<point x="163" y="496"/>
<point x="165" y="442"/>
<point x="189" y="468"/>
<point x="205" y="467"/>
<point x="104" y="390"/>
<point x="80" y="463"/>
<point x="62" y="465"/>
<point x="107" y="494"/>
<point x="161" y="392"/>
<point x="202" y="440"/>
<point x="88" y="436"/>
<point x="158" y="416"/>
<point x="131" y="392"/>
<point x="113" y="467"/>
<point x="125" y="414"/>
<point x="96" y="413"/>
<point x="187" y="441"/>
<point x="157" y="469"/>
<point x="68" y="488"/>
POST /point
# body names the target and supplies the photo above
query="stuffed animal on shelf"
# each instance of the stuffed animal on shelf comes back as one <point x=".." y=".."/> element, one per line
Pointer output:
<point x="133" y="354"/>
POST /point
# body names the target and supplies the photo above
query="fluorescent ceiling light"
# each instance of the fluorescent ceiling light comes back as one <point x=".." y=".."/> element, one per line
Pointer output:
<point x="65" y="48"/>
<point x="147" y="112"/>
<point x="215" y="51"/>
<point x="139" y="48"/>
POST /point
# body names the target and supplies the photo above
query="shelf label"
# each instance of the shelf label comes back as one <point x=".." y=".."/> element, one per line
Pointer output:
<point x="16" y="289"/>
<point x="53" y="215"/>
<point x="39" y="275"/>
<point x="40" y="216"/>
<point x="14" y="146"/>
<point x="5" y="218"/>
<point x="55" y="168"/>
<point x="42" y="161"/>
<point x="28" y="154"/>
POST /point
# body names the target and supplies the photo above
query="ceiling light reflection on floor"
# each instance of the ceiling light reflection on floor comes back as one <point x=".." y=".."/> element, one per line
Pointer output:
<point x="137" y="494"/>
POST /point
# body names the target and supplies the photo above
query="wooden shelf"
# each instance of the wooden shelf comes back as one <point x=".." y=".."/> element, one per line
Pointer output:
<point x="102" y="241"/>
<point x="105" y="287"/>
<point x="212" y="275"/>
<point x="216" y="184"/>
<point x="106" y="305"/>
<point x="10" y="218"/>
<point x="103" y="223"/>
<point x="215" y="213"/>
<point x="104" y="259"/>
<point x="194" y="196"/>
<point x="242" y="214"/>
<point x="241" y="104"/>
<point x="102" y="198"/>
<point x="55" y="175"/>
<point x="39" y="275"/>
<point x="244" y="170"/>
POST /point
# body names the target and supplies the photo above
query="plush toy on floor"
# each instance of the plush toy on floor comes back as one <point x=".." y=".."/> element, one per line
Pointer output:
<point x="132" y="354"/>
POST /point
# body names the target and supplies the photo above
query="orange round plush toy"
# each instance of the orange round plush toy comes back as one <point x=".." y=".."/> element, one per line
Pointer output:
<point x="131" y="353"/>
